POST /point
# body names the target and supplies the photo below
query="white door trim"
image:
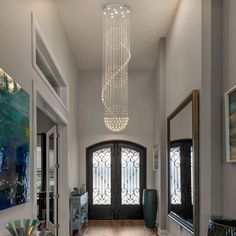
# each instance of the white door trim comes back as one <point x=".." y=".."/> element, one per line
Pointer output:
<point x="54" y="111"/>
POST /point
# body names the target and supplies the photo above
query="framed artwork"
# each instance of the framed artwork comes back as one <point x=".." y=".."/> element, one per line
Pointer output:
<point x="230" y="124"/>
<point x="14" y="143"/>
<point x="155" y="158"/>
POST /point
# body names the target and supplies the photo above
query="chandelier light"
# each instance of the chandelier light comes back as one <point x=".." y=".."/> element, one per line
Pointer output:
<point x="116" y="56"/>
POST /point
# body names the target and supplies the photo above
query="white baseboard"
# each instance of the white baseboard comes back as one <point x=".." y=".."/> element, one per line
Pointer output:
<point x="163" y="233"/>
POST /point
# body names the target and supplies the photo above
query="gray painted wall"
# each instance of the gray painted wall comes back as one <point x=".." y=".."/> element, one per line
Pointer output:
<point x="211" y="68"/>
<point x="211" y="114"/>
<point x="182" y="67"/>
<point x="229" y="80"/>
<point x="91" y="113"/>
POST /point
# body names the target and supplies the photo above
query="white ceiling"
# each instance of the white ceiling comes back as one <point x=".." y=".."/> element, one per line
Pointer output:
<point x="150" y="20"/>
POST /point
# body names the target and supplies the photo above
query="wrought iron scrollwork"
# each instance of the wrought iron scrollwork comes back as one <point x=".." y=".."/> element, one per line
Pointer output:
<point x="102" y="177"/>
<point x="175" y="175"/>
<point x="130" y="177"/>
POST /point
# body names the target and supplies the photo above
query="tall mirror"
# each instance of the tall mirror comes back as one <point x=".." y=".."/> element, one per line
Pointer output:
<point x="183" y="163"/>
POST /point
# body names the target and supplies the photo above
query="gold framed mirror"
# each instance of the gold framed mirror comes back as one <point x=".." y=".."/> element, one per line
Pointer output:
<point x="183" y="163"/>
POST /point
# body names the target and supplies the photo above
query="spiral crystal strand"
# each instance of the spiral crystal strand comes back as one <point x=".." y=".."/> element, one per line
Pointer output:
<point x="116" y="56"/>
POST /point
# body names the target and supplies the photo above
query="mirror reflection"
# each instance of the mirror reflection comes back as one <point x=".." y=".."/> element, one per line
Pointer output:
<point x="181" y="164"/>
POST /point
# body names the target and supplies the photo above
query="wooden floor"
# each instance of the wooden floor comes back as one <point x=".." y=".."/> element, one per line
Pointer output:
<point x="117" y="228"/>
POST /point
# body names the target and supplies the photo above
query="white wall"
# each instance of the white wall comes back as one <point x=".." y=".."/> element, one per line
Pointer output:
<point x="229" y="80"/>
<point x="183" y="70"/>
<point x="15" y="59"/>
<point x="91" y="113"/>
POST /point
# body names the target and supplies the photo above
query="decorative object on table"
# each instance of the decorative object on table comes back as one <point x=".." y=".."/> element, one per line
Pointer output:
<point x="75" y="192"/>
<point x="82" y="189"/>
<point x="155" y="158"/>
<point x="116" y="56"/>
<point x="150" y="207"/>
<point x="78" y="212"/>
<point x="230" y="124"/>
<point x="14" y="143"/>
<point x="222" y="227"/>
<point x="25" y="229"/>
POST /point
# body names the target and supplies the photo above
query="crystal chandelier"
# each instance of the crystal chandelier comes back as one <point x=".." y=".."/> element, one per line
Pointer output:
<point x="116" y="56"/>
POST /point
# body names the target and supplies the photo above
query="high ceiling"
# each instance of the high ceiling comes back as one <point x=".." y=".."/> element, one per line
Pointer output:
<point x="150" y="20"/>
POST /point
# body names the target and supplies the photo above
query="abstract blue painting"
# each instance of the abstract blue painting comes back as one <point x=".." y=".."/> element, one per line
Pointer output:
<point x="14" y="143"/>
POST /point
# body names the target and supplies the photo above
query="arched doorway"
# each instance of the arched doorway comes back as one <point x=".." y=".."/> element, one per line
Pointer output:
<point x="116" y="177"/>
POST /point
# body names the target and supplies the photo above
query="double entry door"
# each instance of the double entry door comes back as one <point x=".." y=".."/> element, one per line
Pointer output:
<point x="116" y="177"/>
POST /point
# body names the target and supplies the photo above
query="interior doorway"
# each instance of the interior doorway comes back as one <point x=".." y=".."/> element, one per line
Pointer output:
<point x="116" y="177"/>
<point x="47" y="173"/>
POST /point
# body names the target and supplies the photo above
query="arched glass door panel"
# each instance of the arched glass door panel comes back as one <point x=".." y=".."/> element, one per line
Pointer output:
<point x="130" y="177"/>
<point x="102" y="177"/>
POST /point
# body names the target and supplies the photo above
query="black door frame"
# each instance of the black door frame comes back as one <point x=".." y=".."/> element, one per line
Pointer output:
<point x="116" y="210"/>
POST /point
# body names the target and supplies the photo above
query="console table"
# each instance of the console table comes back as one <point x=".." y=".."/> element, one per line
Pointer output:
<point x="78" y="212"/>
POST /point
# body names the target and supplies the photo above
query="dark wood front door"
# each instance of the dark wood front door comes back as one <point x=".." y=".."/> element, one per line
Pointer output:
<point x="116" y="177"/>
